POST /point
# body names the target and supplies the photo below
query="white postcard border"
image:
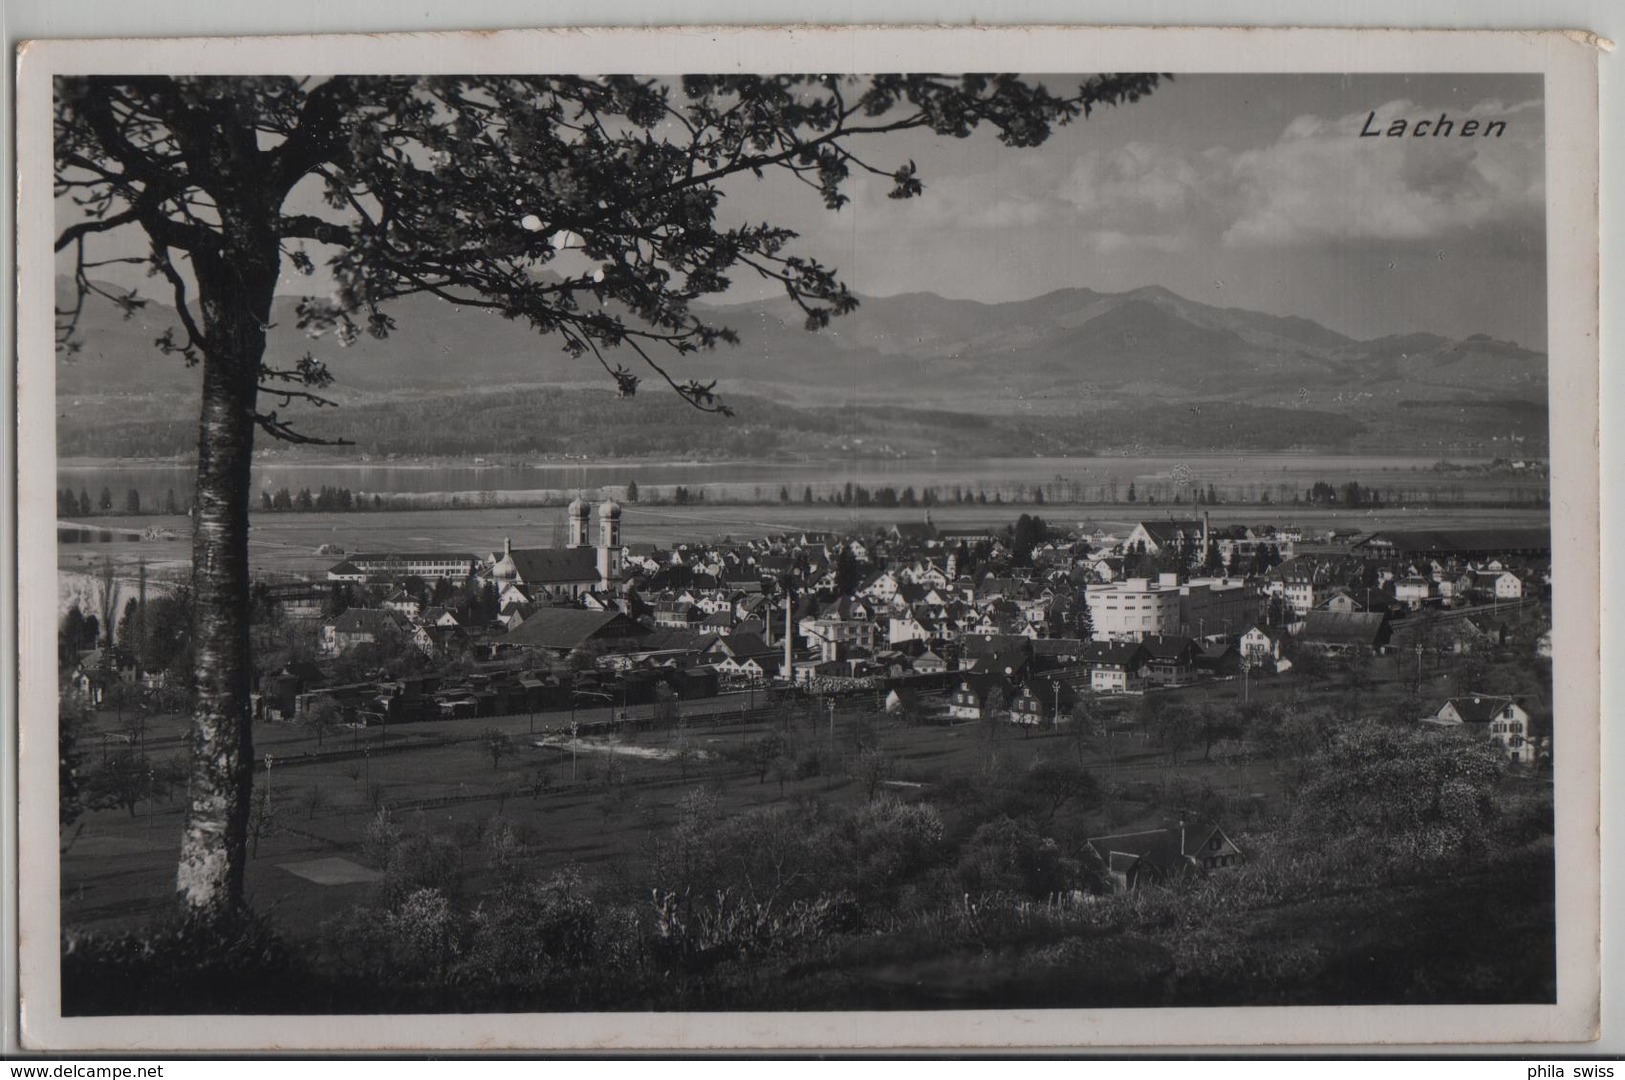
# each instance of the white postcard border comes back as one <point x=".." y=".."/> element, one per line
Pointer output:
<point x="1568" y="64"/>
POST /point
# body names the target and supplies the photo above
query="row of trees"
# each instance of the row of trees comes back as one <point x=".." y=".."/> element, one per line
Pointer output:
<point x="1351" y="494"/>
<point x="69" y="504"/>
<point x="326" y="499"/>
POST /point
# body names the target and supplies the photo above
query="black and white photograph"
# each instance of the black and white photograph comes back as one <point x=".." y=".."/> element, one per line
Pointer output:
<point x="673" y="535"/>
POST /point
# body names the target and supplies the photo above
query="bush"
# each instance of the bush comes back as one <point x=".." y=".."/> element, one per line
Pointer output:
<point x="1010" y="856"/>
<point x="238" y="965"/>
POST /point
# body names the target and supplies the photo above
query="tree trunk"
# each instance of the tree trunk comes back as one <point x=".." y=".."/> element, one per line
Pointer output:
<point x="235" y="293"/>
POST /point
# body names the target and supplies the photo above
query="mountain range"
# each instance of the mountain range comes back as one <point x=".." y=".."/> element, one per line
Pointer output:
<point x="1071" y="351"/>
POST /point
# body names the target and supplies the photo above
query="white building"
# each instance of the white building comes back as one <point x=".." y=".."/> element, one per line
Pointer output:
<point x="1139" y="607"/>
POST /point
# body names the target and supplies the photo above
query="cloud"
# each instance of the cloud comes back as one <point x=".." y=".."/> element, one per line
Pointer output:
<point x="1316" y="183"/>
<point x="1320" y="181"/>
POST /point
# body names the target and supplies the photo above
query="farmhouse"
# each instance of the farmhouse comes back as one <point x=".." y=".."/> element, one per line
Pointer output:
<point x="1154" y="855"/>
<point x="1501" y="718"/>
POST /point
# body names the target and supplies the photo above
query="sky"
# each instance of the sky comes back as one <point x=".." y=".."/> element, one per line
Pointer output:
<point x="1233" y="190"/>
<point x="1251" y="191"/>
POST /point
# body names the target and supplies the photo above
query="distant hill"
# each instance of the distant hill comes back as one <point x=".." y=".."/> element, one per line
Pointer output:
<point x="1069" y="352"/>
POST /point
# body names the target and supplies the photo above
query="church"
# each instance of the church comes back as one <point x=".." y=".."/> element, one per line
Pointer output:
<point x="567" y="573"/>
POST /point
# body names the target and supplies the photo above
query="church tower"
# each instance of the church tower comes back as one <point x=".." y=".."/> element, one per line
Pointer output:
<point x="609" y="544"/>
<point x="577" y="514"/>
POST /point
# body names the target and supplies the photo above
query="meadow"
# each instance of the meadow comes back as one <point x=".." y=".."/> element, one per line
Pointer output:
<point x="286" y="544"/>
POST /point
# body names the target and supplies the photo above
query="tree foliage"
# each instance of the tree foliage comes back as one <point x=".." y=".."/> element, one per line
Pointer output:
<point x="586" y="208"/>
<point x="1413" y="793"/>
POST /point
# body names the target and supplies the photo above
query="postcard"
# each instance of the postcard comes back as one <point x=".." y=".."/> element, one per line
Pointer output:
<point x="808" y="538"/>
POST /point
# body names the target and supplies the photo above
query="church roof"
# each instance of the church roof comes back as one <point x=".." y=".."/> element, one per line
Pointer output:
<point x="553" y="566"/>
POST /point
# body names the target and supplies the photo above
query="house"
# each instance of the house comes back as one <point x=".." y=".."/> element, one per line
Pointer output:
<point x="347" y="571"/>
<point x="403" y="603"/>
<point x="1413" y="592"/>
<point x="1142" y="858"/>
<point x="1153" y="537"/>
<point x="1170" y="660"/>
<point x="1497" y="585"/>
<point x="969" y="699"/>
<point x="919" y="532"/>
<point x="1042" y="702"/>
<point x="439" y="617"/>
<point x="1299" y="583"/>
<point x="929" y="663"/>
<point x="1115" y="667"/>
<point x="1257" y="648"/>
<point x="744" y="656"/>
<point x="1502" y="719"/>
<point x="1219" y="659"/>
<point x="1341" y="601"/>
<point x="911" y="628"/>
<point x="1059" y="650"/>
<point x="359" y="626"/>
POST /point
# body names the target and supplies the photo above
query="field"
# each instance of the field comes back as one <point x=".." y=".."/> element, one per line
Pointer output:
<point x="1283" y="932"/>
<point x="597" y="802"/>
<point x="286" y="543"/>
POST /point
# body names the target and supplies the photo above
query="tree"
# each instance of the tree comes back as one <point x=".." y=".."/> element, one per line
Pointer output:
<point x="126" y="779"/>
<point x="314" y="800"/>
<point x="105" y="502"/>
<point x="1177" y="727"/>
<point x="995" y="705"/>
<point x="1028" y="533"/>
<point x="846" y="572"/>
<point x="1215" y="723"/>
<point x="631" y="491"/>
<point x="760" y="753"/>
<point x="1052" y="783"/>
<point x="874" y="768"/>
<point x="498" y="744"/>
<point x="322" y="715"/>
<point x="132" y="502"/>
<point x="466" y="189"/>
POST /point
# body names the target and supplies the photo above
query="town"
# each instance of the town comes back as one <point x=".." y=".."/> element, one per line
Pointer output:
<point x="1158" y="679"/>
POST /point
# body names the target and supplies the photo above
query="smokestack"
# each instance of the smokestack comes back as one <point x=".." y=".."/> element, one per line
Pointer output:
<point x="507" y="545"/>
<point x="789" y="639"/>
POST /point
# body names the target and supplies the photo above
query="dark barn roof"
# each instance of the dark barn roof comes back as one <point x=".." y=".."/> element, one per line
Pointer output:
<point x="1459" y="541"/>
<point x="570" y="628"/>
<point x="1345" y="628"/>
